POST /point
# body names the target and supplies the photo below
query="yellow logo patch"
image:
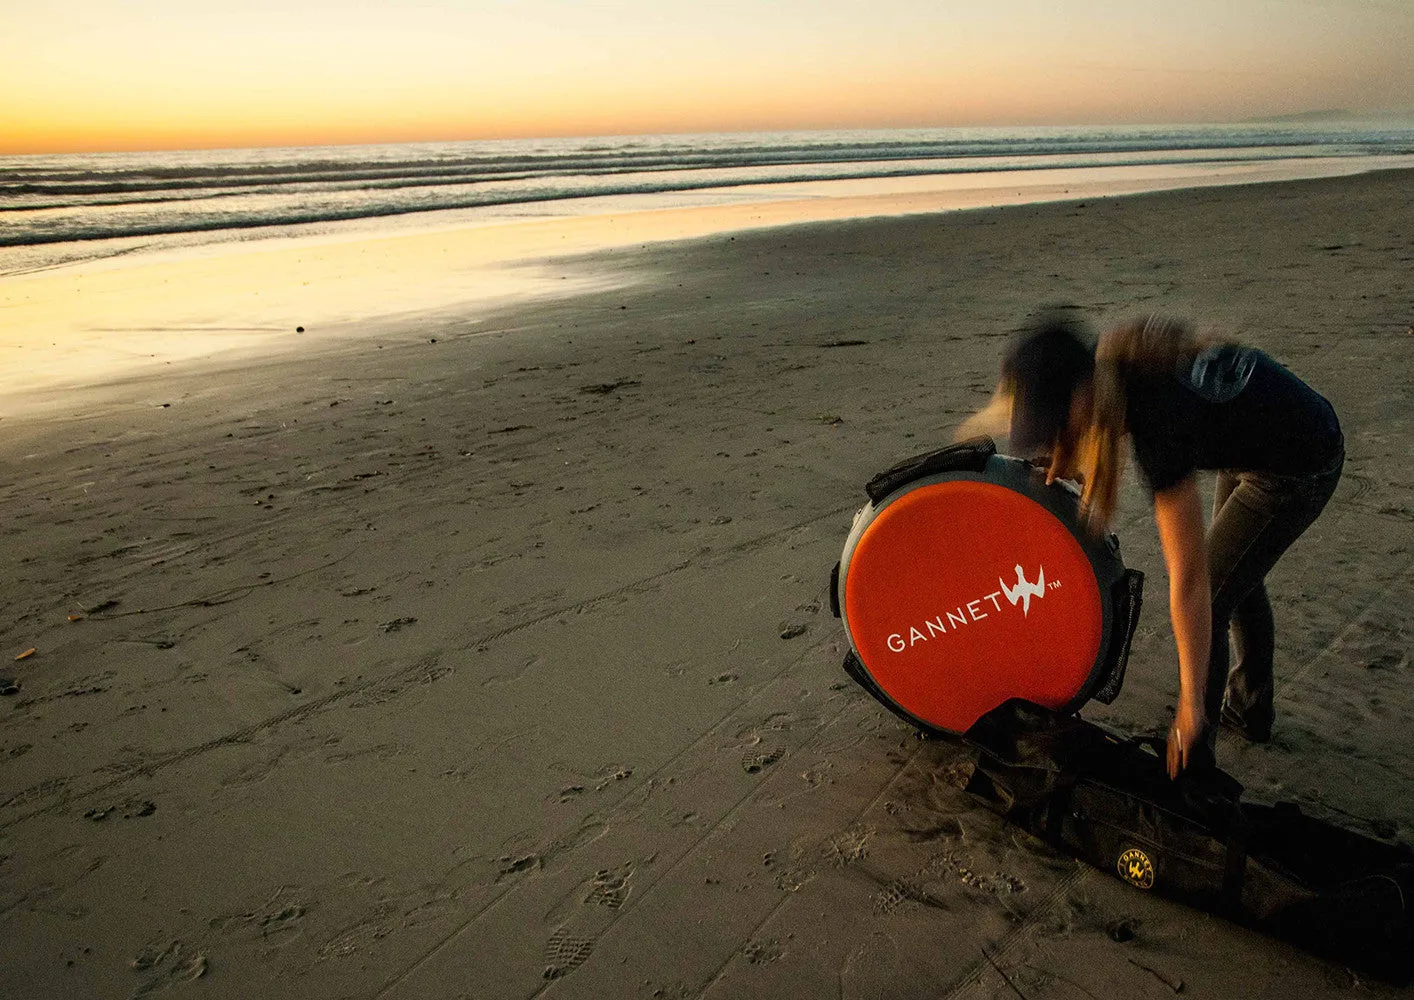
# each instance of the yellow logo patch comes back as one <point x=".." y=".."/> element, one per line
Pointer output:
<point x="1135" y="868"/>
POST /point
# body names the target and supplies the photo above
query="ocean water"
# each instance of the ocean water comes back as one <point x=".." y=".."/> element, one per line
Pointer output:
<point x="61" y="208"/>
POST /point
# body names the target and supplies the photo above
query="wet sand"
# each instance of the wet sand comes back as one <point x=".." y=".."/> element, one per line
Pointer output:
<point x="487" y="653"/>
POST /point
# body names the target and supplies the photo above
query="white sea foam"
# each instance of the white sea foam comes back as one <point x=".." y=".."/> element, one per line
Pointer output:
<point x="72" y="207"/>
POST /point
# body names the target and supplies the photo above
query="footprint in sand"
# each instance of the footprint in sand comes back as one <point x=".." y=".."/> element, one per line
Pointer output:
<point x="611" y="887"/>
<point x="761" y="952"/>
<point x="998" y="883"/>
<point x="277" y="921"/>
<point x="756" y="761"/>
<point x="361" y="936"/>
<point x="599" y="897"/>
<point x="1381" y="648"/>
<point x="565" y="952"/>
<point x="761" y="753"/>
<point x="849" y="846"/>
<point x="167" y="964"/>
<point x="896" y="894"/>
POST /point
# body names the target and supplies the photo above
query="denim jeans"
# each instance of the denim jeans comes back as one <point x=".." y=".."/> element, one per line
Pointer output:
<point x="1256" y="517"/>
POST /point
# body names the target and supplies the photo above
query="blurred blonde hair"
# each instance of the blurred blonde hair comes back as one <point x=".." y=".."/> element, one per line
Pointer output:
<point x="993" y="420"/>
<point x="1146" y="345"/>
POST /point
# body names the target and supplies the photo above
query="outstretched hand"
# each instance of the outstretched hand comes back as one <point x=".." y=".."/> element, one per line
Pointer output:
<point x="1185" y="742"/>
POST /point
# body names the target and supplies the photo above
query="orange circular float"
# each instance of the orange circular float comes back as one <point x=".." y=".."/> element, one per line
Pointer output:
<point x="967" y="581"/>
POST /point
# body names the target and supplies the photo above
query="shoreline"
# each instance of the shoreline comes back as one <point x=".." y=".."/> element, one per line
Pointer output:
<point x="86" y="323"/>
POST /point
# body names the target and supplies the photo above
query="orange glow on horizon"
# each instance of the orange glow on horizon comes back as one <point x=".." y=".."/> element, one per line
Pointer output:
<point x="349" y="71"/>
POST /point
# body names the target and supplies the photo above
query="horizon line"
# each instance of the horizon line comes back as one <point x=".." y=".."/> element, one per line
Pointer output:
<point x="1312" y="117"/>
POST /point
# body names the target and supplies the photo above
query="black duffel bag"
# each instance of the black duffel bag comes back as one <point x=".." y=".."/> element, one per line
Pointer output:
<point x="1107" y="800"/>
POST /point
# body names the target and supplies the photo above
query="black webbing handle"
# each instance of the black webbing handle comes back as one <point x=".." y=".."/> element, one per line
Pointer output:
<point x="965" y="456"/>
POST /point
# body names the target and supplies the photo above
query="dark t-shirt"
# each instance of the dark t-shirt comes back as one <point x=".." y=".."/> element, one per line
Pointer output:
<point x="1230" y="408"/>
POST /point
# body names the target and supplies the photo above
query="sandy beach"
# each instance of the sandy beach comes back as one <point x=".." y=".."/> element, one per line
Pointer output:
<point x="484" y="651"/>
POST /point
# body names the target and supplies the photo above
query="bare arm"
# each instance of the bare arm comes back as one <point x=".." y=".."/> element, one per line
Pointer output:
<point x="1179" y="514"/>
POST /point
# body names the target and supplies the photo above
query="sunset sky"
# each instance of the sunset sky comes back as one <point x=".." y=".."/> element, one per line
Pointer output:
<point x="81" y="75"/>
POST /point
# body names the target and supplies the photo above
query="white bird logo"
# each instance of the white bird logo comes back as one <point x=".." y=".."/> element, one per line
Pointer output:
<point x="1024" y="589"/>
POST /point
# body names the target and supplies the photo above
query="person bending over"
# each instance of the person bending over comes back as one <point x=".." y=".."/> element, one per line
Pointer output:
<point x="1186" y="404"/>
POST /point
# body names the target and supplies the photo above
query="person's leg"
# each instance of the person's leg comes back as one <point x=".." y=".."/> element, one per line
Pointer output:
<point x="1258" y="521"/>
<point x="1218" y="654"/>
<point x="1247" y="703"/>
<point x="1223" y="486"/>
<point x="1235" y="567"/>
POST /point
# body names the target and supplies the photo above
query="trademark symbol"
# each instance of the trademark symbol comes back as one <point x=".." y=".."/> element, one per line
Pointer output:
<point x="1054" y="585"/>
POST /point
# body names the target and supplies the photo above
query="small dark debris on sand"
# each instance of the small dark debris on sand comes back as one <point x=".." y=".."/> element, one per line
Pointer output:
<point x="1122" y="929"/>
<point x="605" y="388"/>
<point x="131" y="809"/>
